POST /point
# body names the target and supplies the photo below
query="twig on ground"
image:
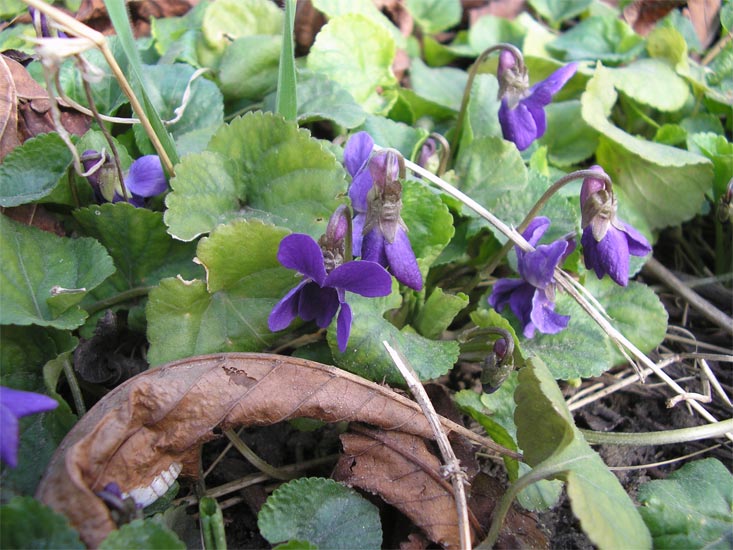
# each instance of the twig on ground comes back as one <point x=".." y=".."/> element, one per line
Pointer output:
<point x="708" y="310"/>
<point x="452" y="467"/>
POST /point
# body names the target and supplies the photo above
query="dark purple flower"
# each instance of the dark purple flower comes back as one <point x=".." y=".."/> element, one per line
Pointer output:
<point x="322" y="292"/>
<point x="385" y="233"/>
<point x="607" y="241"/>
<point x="15" y="404"/>
<point x="522" y="114"/>
<point x="145" y="178"/>
<point x="356" y="159"/>
<point x="532" y="298"/>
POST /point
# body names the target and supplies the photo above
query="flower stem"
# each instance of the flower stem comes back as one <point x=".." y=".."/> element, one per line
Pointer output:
<point x="554" y="188"/>
<point x="255" y="460"/>
<point x="131" y="294"/>
<point x="469" y="84"/>
<point x="664" y="437"/>
<point x="81" y="409"/>
<point x="502" y="508"/>
<point x="105" y="132"/>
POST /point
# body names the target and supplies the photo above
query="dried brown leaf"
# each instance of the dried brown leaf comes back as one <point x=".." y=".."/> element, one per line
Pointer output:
<point x="8" y="110"/>
<point x="33" y="108"/>
<point x="401" y="469"/>
<point x="163" y="416"/>
<point x="704" y="17"/>
<point x="643" y="15"/>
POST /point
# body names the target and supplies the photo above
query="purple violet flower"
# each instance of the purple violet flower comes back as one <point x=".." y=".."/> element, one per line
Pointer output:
<point x="322" y="292"/>
<point x="15" y="404"/>
<point x="607" y="241"/>
<point x="532" y="298"/>
<point x="522" y="114"/>
<point x="385" y="233"/>
<point x="379" y="233"/>
<point x="145" y="178"/>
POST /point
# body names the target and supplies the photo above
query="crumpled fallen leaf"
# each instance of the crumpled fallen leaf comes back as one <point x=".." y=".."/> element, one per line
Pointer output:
<point x="32" y="108"/>
<point x="157" y="421"/>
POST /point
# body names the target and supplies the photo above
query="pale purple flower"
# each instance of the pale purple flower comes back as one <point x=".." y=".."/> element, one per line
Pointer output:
<point x="15" y="404"/>
<point x="532" y="298"/>
<point x="145" y="178"/>
<point x="607" y="241"/>
<point x="522" y="114"/>
<point x="322" y="292"/>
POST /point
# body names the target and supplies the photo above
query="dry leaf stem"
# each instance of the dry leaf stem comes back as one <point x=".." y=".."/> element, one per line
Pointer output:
<point x="452" y="467"/>
<point x="256" y="461"/>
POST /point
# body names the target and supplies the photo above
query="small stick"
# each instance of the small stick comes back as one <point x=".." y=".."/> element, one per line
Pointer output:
<point x="708" y="310"/>
<point x="452" y="467"/>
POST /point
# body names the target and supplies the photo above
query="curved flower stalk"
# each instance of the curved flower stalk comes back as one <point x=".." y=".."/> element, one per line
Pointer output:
<point x="15" y="404"/>
<point x="144" y="179"/>
<point x="380" y="234"/>
<point x="532" y="298"/>
<point x="326" y="278"/>
<point x="522" y="114"/>
<point x="607" y="241"/>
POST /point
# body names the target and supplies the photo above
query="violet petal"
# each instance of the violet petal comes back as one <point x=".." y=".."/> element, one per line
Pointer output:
<point x="638" y="245"/>
<point x="146" y="177"/>
<point x="517" y="125"/>
<point x="372" y="247"/>
<point x="318" y="304"/>
<point x="544" y="317"/>
<point x="536" y="229"/>
<point x="502" y="292"/>
<point x="357" y="234"/>
<point x="302" y="253"/>
<point x="402" y="262"/>
<point x="357" y="151"/>
<point x="520" y="303"/>
<point x="9" y="437"/>
<point x="343" y="326"/>
<point x="361" y="277"/>
<point x="538" y="267"/>
<point x="359" y="190"/>
<point x="22" y="403"/>
<point x="543" y="91"/>
<point x="613" y="255"/>
<point x="286" y="309"/>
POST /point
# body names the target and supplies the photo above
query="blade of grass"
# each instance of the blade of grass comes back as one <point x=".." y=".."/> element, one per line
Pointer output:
<point x="161" y="139"/>
<point x="285" y="101"/>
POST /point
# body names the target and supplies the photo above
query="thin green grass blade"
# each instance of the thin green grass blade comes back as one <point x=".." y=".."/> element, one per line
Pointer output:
<point x="118" y="16"/>
<point x="286" y="102"/>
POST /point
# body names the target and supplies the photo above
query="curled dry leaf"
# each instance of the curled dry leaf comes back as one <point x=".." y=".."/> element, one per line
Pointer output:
<point x="159" y="419"/>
